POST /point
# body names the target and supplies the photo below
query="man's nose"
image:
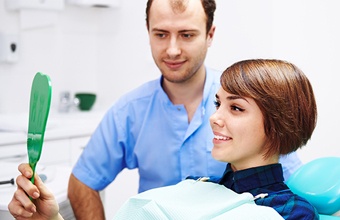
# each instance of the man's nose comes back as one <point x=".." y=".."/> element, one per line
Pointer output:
<point x="173" y="49"/>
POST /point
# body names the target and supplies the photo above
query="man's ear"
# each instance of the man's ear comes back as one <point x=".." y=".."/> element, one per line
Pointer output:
<point x="211" y="34"/>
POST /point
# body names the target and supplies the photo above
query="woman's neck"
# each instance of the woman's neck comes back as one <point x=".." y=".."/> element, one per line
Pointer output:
<point x="257" y="162"/>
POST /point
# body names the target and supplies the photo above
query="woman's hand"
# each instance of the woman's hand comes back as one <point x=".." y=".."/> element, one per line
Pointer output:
<point x="43" y="205"/>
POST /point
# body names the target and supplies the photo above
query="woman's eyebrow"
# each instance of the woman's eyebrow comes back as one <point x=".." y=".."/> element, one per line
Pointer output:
<point x="234" y="97"/>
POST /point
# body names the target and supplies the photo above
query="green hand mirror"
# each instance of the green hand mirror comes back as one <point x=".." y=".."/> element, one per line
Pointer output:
<point x="40" y="101"/>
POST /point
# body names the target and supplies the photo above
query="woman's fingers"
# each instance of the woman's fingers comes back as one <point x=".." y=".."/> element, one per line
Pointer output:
<point x="26" y="185"/>
<point x="44" y="191"/>
<point x="25" y="170"/>
<point x="21" y="205"/>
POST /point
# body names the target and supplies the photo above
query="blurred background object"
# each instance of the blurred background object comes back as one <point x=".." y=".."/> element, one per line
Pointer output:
<point x="85" y="100"/>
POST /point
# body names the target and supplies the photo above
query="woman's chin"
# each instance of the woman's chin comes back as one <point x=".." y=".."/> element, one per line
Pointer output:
<point x="218" y="155"/>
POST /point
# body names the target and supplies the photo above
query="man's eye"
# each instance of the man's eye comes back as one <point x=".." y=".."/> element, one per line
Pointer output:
<point x="217" y="104"/>
<point x="187" y="35"/>
<point x="160" y="35"/>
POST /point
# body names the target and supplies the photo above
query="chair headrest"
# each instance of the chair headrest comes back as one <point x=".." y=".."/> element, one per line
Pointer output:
<point x="318" y="181"/>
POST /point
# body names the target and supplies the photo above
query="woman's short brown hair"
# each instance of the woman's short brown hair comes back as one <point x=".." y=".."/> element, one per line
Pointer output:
<point x="284" y="95"/>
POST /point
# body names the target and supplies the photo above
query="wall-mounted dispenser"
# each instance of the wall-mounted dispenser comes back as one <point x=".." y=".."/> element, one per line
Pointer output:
<point x="9" y="47"/>
<point x="36" y="13"/>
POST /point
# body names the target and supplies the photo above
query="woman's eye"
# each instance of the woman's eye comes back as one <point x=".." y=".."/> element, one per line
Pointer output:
<point x="235" y="108"/>
<point x="217" y="104"/>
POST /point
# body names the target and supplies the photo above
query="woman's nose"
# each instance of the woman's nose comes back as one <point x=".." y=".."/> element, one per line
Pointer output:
<point x="216" y="120"/>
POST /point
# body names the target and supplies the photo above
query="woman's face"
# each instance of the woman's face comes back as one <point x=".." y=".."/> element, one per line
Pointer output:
<point x="238" y="127"/>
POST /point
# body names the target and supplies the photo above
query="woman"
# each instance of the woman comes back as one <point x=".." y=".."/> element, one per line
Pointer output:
<point x="265" y="108"/>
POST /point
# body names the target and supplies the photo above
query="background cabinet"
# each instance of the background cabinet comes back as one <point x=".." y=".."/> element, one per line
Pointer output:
<point x="56" y="153"/>
<point x="59" y="151"/>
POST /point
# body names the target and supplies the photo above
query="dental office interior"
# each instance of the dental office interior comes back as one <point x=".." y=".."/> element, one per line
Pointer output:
<point x="105" y="50"/>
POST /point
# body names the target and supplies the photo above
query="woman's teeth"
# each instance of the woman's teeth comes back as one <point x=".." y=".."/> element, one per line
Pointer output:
<point x="218" y="137"/>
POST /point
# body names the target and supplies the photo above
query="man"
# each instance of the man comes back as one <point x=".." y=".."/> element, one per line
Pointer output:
<point x="162" y="128"/>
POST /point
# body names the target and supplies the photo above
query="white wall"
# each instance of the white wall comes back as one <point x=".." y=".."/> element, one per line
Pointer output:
<point x="107" y="51"/>
<point x="305" y="32"/>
